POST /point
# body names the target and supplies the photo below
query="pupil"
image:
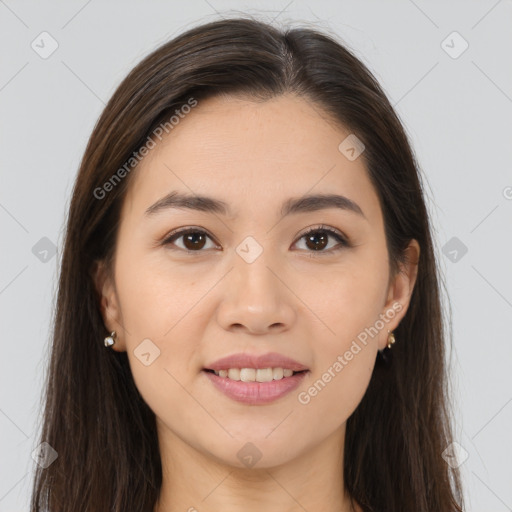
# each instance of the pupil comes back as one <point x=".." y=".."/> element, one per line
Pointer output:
<point x="314" y="238"/>
<point x="192" y="239"/>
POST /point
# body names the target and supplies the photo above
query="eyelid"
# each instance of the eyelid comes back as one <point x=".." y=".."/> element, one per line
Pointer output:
<point x="341" y="238"/>
<point x="177" y="233"/>
<point x="328" y="229"/>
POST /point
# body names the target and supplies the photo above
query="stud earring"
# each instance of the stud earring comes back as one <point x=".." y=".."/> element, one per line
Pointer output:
<point x="110" y="340"/>
<point x="391" y="338"/>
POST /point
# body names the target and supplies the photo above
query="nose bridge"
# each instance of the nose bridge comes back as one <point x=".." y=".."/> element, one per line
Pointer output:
<point x="256" y="297"/>
<point x="253" y="262"/>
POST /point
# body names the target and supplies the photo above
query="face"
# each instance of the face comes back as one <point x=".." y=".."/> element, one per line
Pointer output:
<point x="308" y="281"/>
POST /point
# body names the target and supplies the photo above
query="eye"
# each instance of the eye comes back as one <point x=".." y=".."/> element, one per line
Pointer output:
<point x="193" y="239"/>
<point x="317" y="239"/>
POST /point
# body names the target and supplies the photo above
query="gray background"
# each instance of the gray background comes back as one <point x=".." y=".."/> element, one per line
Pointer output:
<point x="456" y="110"/>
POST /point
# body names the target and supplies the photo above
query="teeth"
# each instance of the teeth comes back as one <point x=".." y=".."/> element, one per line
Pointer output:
<point x="255" y="375"/>
<point x="264" y="375"/>
<point x="233" y="374"/>
<point x="278" y="373"/>
<point x="247" y="374"/>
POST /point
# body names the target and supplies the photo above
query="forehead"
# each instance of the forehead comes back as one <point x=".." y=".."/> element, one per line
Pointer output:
<point x="251" y="153"/>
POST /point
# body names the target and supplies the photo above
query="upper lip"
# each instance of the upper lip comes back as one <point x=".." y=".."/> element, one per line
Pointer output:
<point x="269" y="360"/>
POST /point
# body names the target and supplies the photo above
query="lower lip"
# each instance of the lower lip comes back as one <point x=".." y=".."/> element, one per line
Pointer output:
<point x="255" y="393"/>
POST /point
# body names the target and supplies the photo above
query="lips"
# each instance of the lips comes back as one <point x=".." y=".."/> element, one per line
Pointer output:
<point x="255" y="393"/>
<point x="288" y="372"/>
<point x="269" y="360"/>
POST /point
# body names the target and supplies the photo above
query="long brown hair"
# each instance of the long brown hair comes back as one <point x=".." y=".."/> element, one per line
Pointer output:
<point x="94" y="417"/>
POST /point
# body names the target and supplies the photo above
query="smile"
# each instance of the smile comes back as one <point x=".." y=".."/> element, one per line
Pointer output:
<point x="255" y="386"/>
<point x="255" y="374"/>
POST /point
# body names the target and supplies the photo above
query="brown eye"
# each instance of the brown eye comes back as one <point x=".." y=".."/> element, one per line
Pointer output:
<point x="317" y="239"/>
<point x="194" y="240"/>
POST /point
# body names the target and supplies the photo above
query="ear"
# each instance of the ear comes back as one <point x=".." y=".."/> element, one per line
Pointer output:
<point x="109" y="304"/>
<point x="400" y="291"/>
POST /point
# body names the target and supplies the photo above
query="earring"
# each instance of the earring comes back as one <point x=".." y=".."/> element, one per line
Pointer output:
<point x="110" y="340"/>
<point x="385" y="356"/>
<point x="391" y="338"/>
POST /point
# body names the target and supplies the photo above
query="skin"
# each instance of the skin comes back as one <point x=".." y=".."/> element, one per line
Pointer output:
<point x="305" y="304"/>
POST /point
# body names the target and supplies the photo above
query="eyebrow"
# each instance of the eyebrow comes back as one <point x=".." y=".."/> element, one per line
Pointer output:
<point x="309" y="203"/>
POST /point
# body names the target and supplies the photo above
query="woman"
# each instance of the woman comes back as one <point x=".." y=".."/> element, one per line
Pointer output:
<point x="249" y="309"/>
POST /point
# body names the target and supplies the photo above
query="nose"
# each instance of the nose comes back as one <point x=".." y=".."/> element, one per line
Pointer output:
<point x="257" y="299"/>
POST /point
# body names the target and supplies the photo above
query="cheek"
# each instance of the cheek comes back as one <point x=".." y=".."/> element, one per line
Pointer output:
<point x="345" y="356"/>
<point x="349" y="299"/>
<point x="349" y="302"/>
<point x="155" y="295"/>
<point x="160" y="322"/>
<point x="333" y="393"/>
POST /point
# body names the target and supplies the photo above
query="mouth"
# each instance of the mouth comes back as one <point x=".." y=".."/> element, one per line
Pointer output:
<point x="255" y="386"/>
<point x="255" y="374"/>
<point x="255" y="379"/>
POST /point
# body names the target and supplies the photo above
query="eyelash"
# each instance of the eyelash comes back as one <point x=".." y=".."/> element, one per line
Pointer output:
<point x="343" y="242"/>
